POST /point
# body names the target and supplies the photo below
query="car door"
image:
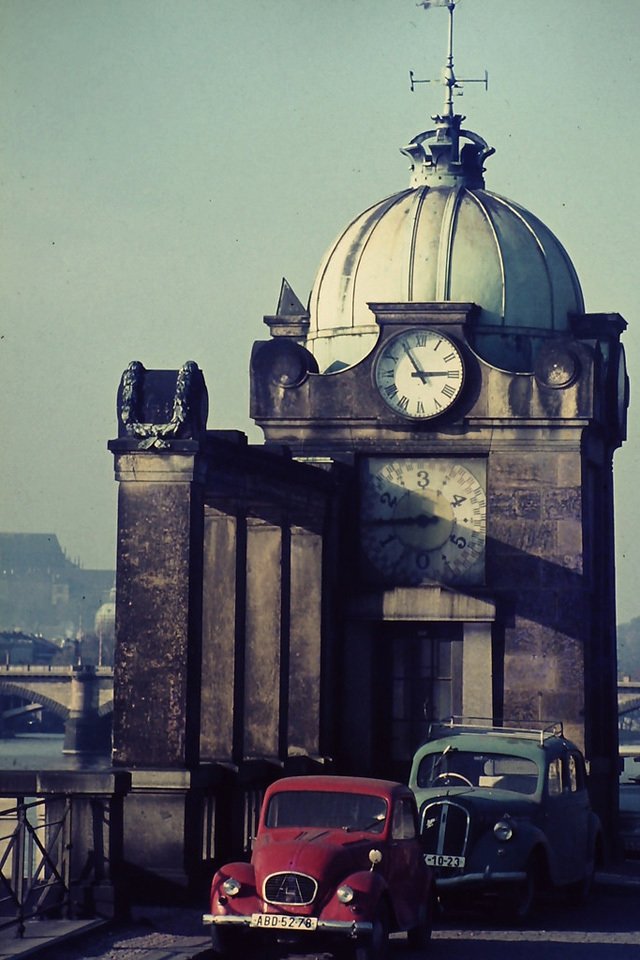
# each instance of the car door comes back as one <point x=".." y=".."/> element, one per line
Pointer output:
<point x="566" y="818"/>
<point x="406" y="870"/>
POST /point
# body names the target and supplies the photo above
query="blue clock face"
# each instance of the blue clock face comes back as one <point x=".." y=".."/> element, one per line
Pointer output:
<point x="424" y="520"/>
<point x="419" y="373"/>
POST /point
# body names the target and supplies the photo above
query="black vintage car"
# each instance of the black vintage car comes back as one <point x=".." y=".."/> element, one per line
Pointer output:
<point x="505" y="813"/>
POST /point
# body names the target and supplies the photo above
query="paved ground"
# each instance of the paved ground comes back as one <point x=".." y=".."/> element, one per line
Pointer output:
<point x="153" y="933"/>
<point x="156" y="933"/>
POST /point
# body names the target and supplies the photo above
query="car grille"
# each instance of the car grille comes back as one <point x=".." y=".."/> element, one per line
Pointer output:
<point x="446" y="831"/>
<point x="289" y="888"/>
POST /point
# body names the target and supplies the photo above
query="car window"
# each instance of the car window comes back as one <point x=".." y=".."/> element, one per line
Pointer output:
<point x="554" y="777"/>
<point x="572" y="774"/>
<point x="403" y="826"/>
<point x="576" y="773"/>
<point x="310" y="808"/>
<point x="498" y="771"/>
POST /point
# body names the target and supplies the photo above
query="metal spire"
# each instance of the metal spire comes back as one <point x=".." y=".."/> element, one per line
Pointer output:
<point x="436" y="154"/>
<point x="448" y="77"/>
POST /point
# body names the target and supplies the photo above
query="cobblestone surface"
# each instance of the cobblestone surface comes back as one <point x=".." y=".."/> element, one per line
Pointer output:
<point x="153" y="933"/>
<point x="605" y="928"/>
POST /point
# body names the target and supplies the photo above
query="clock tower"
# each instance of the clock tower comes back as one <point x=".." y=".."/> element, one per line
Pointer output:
<point x="427" y="529"/>
<point x="447" y="363"/>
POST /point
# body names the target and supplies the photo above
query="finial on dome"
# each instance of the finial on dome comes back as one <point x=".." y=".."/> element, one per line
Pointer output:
<point x="437" y="157"/>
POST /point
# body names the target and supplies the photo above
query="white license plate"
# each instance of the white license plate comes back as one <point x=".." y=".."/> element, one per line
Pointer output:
<point x="282" y="921"/>
<point x="442" y="860"/>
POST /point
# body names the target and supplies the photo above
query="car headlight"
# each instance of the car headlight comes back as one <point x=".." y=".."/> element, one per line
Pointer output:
<point x="344" y="893"/>
<point x="503" y="830"/>
<point x="231" y="887"/>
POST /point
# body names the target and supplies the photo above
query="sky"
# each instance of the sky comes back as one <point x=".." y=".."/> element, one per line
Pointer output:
<point x="166" y="162"/>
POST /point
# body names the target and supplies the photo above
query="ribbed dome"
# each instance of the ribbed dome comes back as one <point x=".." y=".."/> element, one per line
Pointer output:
<point x="444" y="243"/>
<point x="105" y="619"/>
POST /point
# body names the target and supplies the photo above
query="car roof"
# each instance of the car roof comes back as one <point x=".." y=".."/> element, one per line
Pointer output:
<point x="492" y="742"/>
<point x="331" y="783"/>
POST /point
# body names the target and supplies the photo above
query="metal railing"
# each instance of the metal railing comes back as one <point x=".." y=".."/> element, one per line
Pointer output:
<point x="41" y="874"/>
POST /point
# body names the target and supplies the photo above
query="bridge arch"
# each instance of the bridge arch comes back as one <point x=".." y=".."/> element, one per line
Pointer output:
<point x="14" y="689"/>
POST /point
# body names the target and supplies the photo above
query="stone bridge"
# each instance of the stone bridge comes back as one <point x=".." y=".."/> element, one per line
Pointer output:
<point x="628" y="696"/>
<point x="82" y="695"/>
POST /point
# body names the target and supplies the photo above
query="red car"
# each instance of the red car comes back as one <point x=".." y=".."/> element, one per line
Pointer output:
<point x="337" y="861"/>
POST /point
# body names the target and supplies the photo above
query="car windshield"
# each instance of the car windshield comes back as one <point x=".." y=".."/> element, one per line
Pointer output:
<point x="453" y="767"/>
<point x="308" y="808"/>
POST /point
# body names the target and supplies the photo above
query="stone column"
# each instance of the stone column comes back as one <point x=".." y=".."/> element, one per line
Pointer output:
<point x="264" y="674"/>
<point x="305" y="667"/>
<point x="223" y="636"/>
<point x="158" y="613"/>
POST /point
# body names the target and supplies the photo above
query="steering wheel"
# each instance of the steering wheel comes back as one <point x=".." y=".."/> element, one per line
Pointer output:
<point x="453" y="776"/>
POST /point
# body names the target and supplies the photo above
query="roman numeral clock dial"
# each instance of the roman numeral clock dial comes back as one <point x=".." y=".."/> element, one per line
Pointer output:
<point x="419" y="373"/>
<point x="423" y="520"/>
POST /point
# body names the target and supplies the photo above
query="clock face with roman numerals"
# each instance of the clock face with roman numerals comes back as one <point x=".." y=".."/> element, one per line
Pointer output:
<point x="423" y="520"/>
<point x="419" y="373"/>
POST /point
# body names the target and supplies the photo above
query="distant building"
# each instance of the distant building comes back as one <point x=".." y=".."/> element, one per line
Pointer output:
<point x="43" y="592"/>
<point x="17" y="647"/>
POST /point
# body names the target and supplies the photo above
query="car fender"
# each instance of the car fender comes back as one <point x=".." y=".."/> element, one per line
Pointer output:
<point x="509" y="855"/>
<point x="245" y="875"/>
<point x="369" y="888"/>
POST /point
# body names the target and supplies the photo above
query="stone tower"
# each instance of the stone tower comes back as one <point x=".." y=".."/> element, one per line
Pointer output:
<point x="427" y="529"/>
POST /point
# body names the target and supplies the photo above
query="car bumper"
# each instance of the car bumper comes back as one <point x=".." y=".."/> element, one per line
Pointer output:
<point x="350" y="929"/>
<point x="487" y="878"/>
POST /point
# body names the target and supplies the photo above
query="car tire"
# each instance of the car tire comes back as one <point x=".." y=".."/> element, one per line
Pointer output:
<point x="376" y="947"/>
<point x="524" y="897"/>
<point x="578" y="893"/>
<point x="223" y="942"/>
<point x="418" y="937"/>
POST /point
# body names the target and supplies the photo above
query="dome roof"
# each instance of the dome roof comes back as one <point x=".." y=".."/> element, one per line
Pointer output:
<point x="444" y="243"/>
<point x="446" y="238"/>
<point x="105" y="619"/>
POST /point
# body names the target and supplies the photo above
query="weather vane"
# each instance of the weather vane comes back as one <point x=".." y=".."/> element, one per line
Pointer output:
<point x="448" y="77"/>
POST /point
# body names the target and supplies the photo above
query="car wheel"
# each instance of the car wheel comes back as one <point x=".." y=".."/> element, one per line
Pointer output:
<point x="418" y="937"/>
<point x="223" y="942"/>
<point x="376" y="947"/>
<point x="578" y="893"/>
<point x="523" y="899"/>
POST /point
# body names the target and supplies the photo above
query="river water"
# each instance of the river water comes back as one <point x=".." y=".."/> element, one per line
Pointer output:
<point x="43" y="751"/>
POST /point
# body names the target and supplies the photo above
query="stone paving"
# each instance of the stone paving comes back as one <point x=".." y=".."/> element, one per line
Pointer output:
<point x="152" y="933"/>
<point x="162" y="933"/>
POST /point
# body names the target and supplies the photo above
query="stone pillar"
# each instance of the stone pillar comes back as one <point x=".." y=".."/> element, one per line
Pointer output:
<point x="223" y="617"/>
<point x="265" y="674"/>
<point x="83" y="732"/>
<point x="158" y="614"/>
<point x="305" y="660"/>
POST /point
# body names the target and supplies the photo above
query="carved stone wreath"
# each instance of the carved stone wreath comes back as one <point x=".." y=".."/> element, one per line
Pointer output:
<point x="154" y="435"/>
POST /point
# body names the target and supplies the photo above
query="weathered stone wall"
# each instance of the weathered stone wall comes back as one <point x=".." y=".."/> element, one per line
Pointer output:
<point x="534" y="565"/>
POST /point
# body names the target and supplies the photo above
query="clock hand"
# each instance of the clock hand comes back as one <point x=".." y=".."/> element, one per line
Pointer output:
<point x="418" y="372"/>
<point x="420" y="520"/>
<point x="430" y="373"/>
